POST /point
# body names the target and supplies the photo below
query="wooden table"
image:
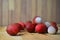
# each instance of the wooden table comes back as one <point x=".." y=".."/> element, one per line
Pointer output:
<point x="28" y="36"/>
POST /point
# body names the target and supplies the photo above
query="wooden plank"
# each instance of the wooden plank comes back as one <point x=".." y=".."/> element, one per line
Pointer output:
<point x="58" y="10"/>
<point x="53" y="16"/>
<point x="33" y="8"/>
<point x="44" y="10"/>
<point x="49" y="6"/>
<point x="28" y="10"/>
<point x="11" y="12"/>
<point x="39" y="8"/>
<point x="0" y="12"/>
<point x="11" y="4"/>
<point x="5" y="12"/>
<point x="17" y="10"/>
<point x="23" y="11"/>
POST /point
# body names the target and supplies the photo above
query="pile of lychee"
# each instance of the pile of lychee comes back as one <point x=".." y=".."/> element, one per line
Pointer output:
<point x="34" y="26"/>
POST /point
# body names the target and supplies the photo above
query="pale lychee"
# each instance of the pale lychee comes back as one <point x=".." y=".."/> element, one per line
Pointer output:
<point x="37" y="19"/>
<point x="47" y="24"/>
<point x="51" y="30"/>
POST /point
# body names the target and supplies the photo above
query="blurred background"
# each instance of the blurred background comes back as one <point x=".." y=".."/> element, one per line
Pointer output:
<point x="12" y="11"/>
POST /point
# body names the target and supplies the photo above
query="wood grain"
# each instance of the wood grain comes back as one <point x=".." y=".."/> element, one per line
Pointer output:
<point x="39" y="8"/>
<point x="0" y="12"/>
<point x="58" y="10"/>
<point x="49" y="9"/>
<point x="24" y="35"/>
<point x="12" y="11"/>
<point x="44" y="10"/>
<point x="23" y="10"/>
<point x="33" y="8"/>
<point x="28" y="9"/>
<point x="17" y="10"/>
<point x="5" y="12"/>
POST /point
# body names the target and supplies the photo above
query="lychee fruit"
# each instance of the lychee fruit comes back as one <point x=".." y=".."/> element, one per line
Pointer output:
<point x="47" y="24"/>
<point x="30" y="27"/>
<point x="51" y="30"/>
<point x="41" y="28"/>
<point x="13" y="29"/>
<point x="22" y="24"/>
<point x="37" y="19"/>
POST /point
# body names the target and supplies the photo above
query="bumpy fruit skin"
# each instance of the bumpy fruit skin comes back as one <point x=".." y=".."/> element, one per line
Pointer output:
<point x="33" y="21"/>
<point x="30" y="27"/>
<point x="22" y="24"/>
<point x="13" y="29"/>
<point x="54" y="24"/>
<point x="41" y="28"/>
<point x="28" y="22"/>
<point x="36" y="20"/>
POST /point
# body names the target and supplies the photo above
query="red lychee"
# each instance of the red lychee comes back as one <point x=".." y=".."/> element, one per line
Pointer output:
<point x="30" y="27"/>
<point x="37" y="20"/>
<point x="22" y="24"/>
<point x="13" y="29"/>
<point x="41" y="28"/>
<point x="54" y="24"/>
